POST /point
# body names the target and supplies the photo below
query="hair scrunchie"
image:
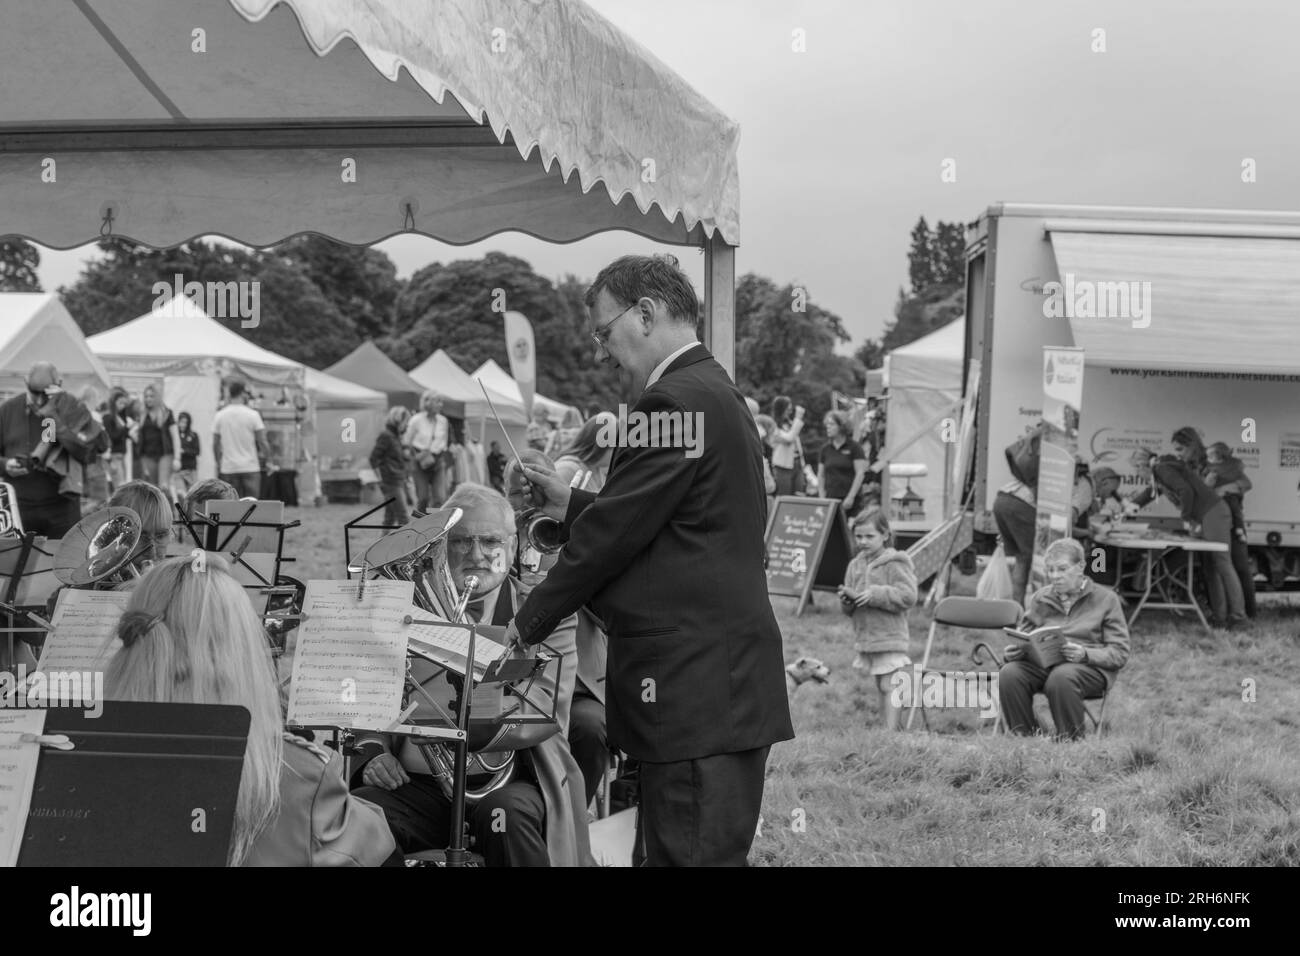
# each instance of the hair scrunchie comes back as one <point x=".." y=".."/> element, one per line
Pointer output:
<point x="135" y="625"/>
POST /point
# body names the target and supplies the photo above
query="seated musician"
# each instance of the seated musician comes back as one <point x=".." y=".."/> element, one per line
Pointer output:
<point x="588" y="739"/>
<point x="210" y="489"/>
<point x="544" y="821"/>
<point x="156" y="516"/>
<point x="193" y="637"/>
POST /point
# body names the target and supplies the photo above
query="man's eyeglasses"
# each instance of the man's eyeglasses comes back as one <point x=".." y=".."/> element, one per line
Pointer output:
<point x="462" y="544"/>
<point x="601" y="335"/>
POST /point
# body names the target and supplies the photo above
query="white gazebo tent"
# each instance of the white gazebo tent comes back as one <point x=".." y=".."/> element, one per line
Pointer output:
<point x="923" y="381"/>
<point x="440" y="373"/>
<point x="35" y="327"/>
<point x="163" y="120"/>
<point x="498" y="379"/>
<point x="345" y="420"/>
<point x="177" y="343"/>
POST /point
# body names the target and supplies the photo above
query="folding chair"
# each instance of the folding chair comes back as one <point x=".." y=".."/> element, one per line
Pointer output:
<point x="999" y="725"/>
<point x="971" y="613"/>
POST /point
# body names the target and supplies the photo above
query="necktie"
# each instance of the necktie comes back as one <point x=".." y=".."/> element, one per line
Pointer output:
<point x="474" y="610"/>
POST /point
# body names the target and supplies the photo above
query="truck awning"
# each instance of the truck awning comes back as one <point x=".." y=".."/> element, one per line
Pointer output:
<point x="1212" y="302"/>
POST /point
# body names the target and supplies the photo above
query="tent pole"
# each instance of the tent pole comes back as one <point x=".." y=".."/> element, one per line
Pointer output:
<point x="720" y="302"/>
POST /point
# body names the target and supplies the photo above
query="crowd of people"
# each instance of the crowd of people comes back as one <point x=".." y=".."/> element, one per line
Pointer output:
<point x="841" y="469"/>
<point x="66" y="456"/>
<point x="1206" y="484"/>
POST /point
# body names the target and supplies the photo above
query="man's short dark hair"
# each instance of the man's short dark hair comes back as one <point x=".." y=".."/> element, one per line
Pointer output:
<point x="631" y="278"/>
<point x="235" y="389"/>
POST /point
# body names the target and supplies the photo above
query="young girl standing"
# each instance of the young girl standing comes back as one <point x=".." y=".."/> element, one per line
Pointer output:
<point x="879" y="588"/>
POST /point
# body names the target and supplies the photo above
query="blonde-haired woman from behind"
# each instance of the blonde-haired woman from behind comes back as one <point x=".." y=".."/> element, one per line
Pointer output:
<point x="190" y="635"/>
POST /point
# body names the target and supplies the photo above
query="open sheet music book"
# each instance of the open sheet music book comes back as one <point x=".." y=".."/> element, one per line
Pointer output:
<point x="82" y="623"/>
<point x="448" y="644"/>
<point x="1044" y="646"/>
<point x="349" y="665"/>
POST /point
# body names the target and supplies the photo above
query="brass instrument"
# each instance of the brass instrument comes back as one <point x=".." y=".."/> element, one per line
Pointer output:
<point x="538" y="531"/>
<point x="103" y="550"/>
<point x="417" y="552"/>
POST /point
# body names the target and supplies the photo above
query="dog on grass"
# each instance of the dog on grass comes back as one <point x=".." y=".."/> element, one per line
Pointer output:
<point x="803" y="670"/>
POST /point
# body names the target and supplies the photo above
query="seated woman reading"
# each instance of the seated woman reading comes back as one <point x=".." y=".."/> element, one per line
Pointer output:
<point x="1096" y="646"/>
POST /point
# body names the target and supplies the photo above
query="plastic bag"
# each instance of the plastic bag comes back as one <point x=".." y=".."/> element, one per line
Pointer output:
<point x="995" y="582"/>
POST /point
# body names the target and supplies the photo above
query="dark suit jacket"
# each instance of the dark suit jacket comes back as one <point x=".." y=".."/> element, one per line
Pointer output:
<point x="670" y="555"/>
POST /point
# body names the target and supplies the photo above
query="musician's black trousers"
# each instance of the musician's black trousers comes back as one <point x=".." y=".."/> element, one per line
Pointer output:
<point x="588" y="740"/>
<point x="509" y="826"/>
<point x="1066" y="687"/>
<point x="700" y="812"/>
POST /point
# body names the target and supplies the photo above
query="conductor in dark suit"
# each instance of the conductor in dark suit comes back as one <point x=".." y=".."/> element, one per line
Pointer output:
<point x="670" y="556"/>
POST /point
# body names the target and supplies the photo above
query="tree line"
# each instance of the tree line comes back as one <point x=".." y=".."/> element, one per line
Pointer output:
<point x="319" y="299"/>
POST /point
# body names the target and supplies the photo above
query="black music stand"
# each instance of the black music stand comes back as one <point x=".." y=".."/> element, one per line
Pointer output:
<point x="504" y="670"/>
<point x="24" y="588"/>
<point x="130" y="791"/>
<point x="356" y="525"/>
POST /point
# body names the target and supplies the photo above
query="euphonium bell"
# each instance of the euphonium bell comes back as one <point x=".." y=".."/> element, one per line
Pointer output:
<point x="105" y="548"/>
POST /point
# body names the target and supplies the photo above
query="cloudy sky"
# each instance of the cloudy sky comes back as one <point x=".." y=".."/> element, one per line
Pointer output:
<point x="842" y="145"/>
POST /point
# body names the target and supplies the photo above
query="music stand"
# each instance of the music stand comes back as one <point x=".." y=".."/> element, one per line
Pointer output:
<point x="136" y="785"/>
<point x="356" y="525"/>
<point x="237" y="517"/>
<point x="26" y="582"/>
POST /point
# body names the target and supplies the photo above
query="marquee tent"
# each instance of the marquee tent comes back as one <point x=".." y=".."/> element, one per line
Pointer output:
<point x="367" y="365"/>
<point x="498" y="379"/>
<point x="35" y="327"/>
<point x="178" y="346"/>
<point x="440" y="373"/>
<point x="346" y="421"/>
<point x="162" y="120"/>
<point x="923" y="381"/>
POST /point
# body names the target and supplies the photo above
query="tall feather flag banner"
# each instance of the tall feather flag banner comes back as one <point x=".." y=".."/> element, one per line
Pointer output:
<point x="523" y="357"/>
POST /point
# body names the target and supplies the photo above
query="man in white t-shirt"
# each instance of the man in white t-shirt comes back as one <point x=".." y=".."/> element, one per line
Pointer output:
<point x="239" y="443"/>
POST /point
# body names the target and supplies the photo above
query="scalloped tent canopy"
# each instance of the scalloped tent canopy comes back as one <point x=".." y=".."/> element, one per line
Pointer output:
<point x="246" y="118"/>
<point x="257" y="120"/>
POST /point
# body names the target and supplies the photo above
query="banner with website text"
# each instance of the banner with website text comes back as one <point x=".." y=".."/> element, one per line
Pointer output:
<point x="1062" y="400"/>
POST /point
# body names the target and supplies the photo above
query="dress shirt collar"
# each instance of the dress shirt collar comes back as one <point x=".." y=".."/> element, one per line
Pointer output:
<point x="663" y="366"/>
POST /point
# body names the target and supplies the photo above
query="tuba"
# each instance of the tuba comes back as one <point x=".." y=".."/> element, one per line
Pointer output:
<point x="103" y="550"/>
<point x="417" y="552"/>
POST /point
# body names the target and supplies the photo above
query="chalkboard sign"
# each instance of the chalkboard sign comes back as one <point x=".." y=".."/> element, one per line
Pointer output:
<point x="808" y="546"/>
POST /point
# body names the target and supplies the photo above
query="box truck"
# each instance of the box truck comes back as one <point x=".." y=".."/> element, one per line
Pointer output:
<point x="1186" y="317"/>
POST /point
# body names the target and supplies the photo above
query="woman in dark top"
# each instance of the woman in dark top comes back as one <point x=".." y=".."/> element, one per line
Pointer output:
<point x="843" y="465"/>
<point x="1206" y="516"/>
<point x="159" y="442"/>
<point x="191" y="448"/>
<point x="117" y="422"/>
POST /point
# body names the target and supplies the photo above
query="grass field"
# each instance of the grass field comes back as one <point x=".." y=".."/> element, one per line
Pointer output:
<point x="1187" y="774"/>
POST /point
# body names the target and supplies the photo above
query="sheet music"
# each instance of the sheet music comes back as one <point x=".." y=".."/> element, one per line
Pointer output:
<point x="17" y="777"/>
<point x="83" y="620"/>
<point x="448" y="644"/>
<point x="349" y="665"/>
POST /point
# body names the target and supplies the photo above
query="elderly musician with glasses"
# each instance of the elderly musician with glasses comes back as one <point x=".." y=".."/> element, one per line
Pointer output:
<point x="543" y="820"/>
